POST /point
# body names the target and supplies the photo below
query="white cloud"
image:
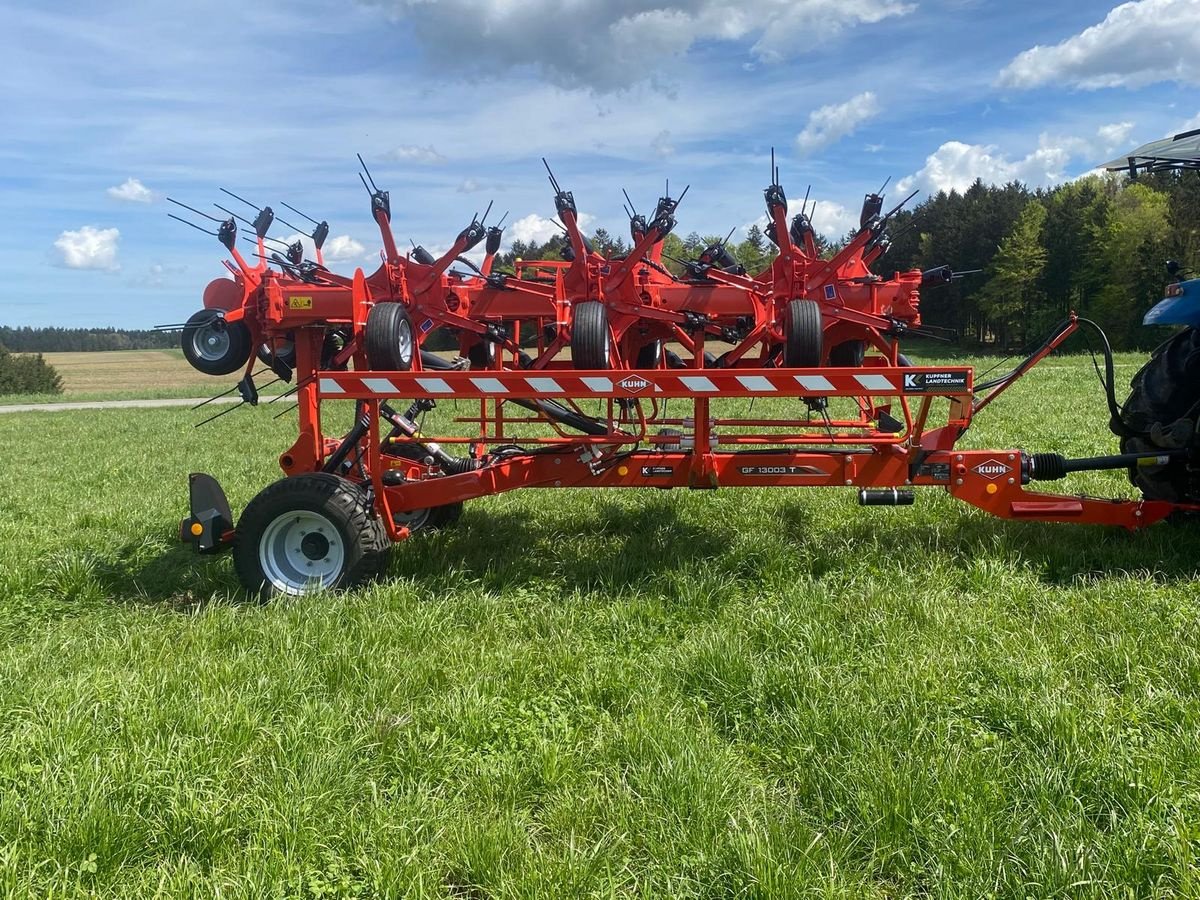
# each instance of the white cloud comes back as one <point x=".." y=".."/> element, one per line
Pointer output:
<point x="339" y="249"/>
<point x="1137" y="44"/>
<point x="609" y="45"/>
<point x="832" y="219"/>
<point x="132" y="191"/>
<point x="469" y="186"/>
<point x="1113" y="137"/>
<point x="956" y="165"/>
<point x="537" y="229"/>
<point x="89" y="248"/>
<point x="343" y="248"/>
<point x="411" y="153"/>
<point x="662" y="145"/>
<point x="832" y="123"/>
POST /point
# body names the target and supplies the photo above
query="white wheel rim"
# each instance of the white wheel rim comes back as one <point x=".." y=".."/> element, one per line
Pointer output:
<point x="301" y="552"/>
<point x="406" y="343"/>
<point x="209" y="343"/>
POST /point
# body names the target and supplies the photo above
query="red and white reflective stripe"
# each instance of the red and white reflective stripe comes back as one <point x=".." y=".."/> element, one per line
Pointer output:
<point x="679" y="383"/>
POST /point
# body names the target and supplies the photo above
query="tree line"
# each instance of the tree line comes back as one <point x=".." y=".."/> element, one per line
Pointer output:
<point x="59" y="340"/>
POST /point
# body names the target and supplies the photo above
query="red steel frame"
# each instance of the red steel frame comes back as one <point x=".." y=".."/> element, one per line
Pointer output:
<point x="804" y="454"/>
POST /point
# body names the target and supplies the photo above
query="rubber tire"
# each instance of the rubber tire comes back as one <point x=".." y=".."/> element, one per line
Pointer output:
<point x="482" y="355"/>
<point x="903" y="361"/>
<point x="388" y="329"/>
<point x="803" y="346"/>
<point x="589" y="335"/>
<point x="445" y="516"/>
<point x="346" y="504"/>
<point x="1164" y="392"/>
<point x="848" y="354"/>
<point x="649" y="356"/>
<point x="237" y="355"/>
<point x="266" y="357"/>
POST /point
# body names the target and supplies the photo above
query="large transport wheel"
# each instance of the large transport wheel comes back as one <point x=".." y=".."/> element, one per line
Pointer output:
<point x="589" y="335"/>
<point x="1164" y="405"/>
<point x="848" y="354"/>
<point x="308" y="533"/>
<point x="389" y="339"/>
<point x="803" y="337"/>
<point x="213" y="346"/>
<point x="434" y="518"/>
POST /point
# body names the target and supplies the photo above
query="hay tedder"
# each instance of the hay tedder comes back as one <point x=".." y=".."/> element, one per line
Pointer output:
<point x="618" y="373"/>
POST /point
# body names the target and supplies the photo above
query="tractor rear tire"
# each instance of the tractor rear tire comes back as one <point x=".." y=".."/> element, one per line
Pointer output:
<point x="803" y="335"/>
<point x="590" y="340"/>
<point x="390" y="344"/>
<point x="213" y="346"/>
<point x="848" y="354"/>
<point x="1163" y="406"/>
<point x="309" y="533"/>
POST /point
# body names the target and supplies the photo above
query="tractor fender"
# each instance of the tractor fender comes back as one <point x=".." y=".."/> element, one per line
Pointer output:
<point x="1181" y="310"/>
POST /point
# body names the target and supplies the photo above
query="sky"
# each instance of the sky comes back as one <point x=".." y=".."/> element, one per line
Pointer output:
<point x="108" y="109"/>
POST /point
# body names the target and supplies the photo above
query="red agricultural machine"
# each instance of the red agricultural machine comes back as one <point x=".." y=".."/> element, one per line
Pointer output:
<point x="575" y="371"/>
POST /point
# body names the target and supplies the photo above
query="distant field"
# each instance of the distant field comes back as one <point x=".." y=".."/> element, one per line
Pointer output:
<point x="738" y="693"/>
<point x="127" y="375"/>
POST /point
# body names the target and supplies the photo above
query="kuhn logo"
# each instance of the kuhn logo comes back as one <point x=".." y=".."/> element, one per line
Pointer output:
<point x="993" y="469"/>
<point x="634" y="384"/>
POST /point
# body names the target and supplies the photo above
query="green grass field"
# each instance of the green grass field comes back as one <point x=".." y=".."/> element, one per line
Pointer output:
<point x="581" y="694"/>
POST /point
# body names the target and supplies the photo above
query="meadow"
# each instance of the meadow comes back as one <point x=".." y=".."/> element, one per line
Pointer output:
<point x="763" y="693"/>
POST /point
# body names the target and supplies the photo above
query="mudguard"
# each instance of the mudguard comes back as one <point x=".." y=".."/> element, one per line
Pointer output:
<point x="1181" y="310"/>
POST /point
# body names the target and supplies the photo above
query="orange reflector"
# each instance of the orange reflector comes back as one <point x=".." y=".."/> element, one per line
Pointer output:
<point x="623" y="471"/>
<point x="197" y="529"/>
<point x="991" y="488"/>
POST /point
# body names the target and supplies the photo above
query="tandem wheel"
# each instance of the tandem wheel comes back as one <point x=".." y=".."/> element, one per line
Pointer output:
<point x="389" y="338"/>
<point x="213" y="346"/>
<point x="804" y="343"/>
<point x="590" y="339"/>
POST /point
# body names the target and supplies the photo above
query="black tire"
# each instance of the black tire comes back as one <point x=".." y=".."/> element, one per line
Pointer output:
<point x="390" y="343"/>
<point x="482" y="355"/>
<point x="804" y="342"/>
<point x="213" y="346"/>
<point x="310" y="532"/>
<point x="1162" y="410"/>
<point x="649" y="356"/>
<point x="903" y="361"/>
<point x="848" y="354"/>
<point x="284" y="352"/>
<point x="434" y="518"/>
<point x="589" y="335"/>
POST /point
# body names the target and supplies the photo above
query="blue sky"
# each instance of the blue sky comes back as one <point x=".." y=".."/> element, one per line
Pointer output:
<point x="453" y="102"/>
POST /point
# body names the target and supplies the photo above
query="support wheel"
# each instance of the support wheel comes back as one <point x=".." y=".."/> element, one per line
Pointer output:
<point x="482" y="355"/>
<point x="309" y="533"/>
<point x="1164" y="405"/>
<point x="214" y="346"/>
<point x="803" y="337"/>
<point x="389" y="338"/>
<point x="589" y="335"/>
<point x="848" y="354"/>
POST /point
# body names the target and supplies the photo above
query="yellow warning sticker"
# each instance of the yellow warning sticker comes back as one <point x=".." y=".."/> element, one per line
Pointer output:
<point x="299" y="302"/>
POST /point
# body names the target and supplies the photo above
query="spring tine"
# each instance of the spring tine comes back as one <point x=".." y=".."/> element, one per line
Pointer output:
<point x="365" y="169"/>
<point x="235" y="215"/>
<point x="196" y="211"/>
<point x="553" y="180"/>
<point x="300" y="214"/>
<point x="631" y="206"/>
<point x="243" y="199"/>
<point x="193" y="224"/>
<point x="502" y="218"/>
<point x="681" y="196"/>
<point x="364" y="181"/>
<point x="223" y="412"/>
<point x="884" y="185"/>
<point x="486" y="211"/>
<point x="291" y="408"/>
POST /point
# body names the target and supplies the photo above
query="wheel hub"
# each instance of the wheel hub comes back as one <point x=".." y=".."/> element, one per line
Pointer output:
<point x="301" y="551"/>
